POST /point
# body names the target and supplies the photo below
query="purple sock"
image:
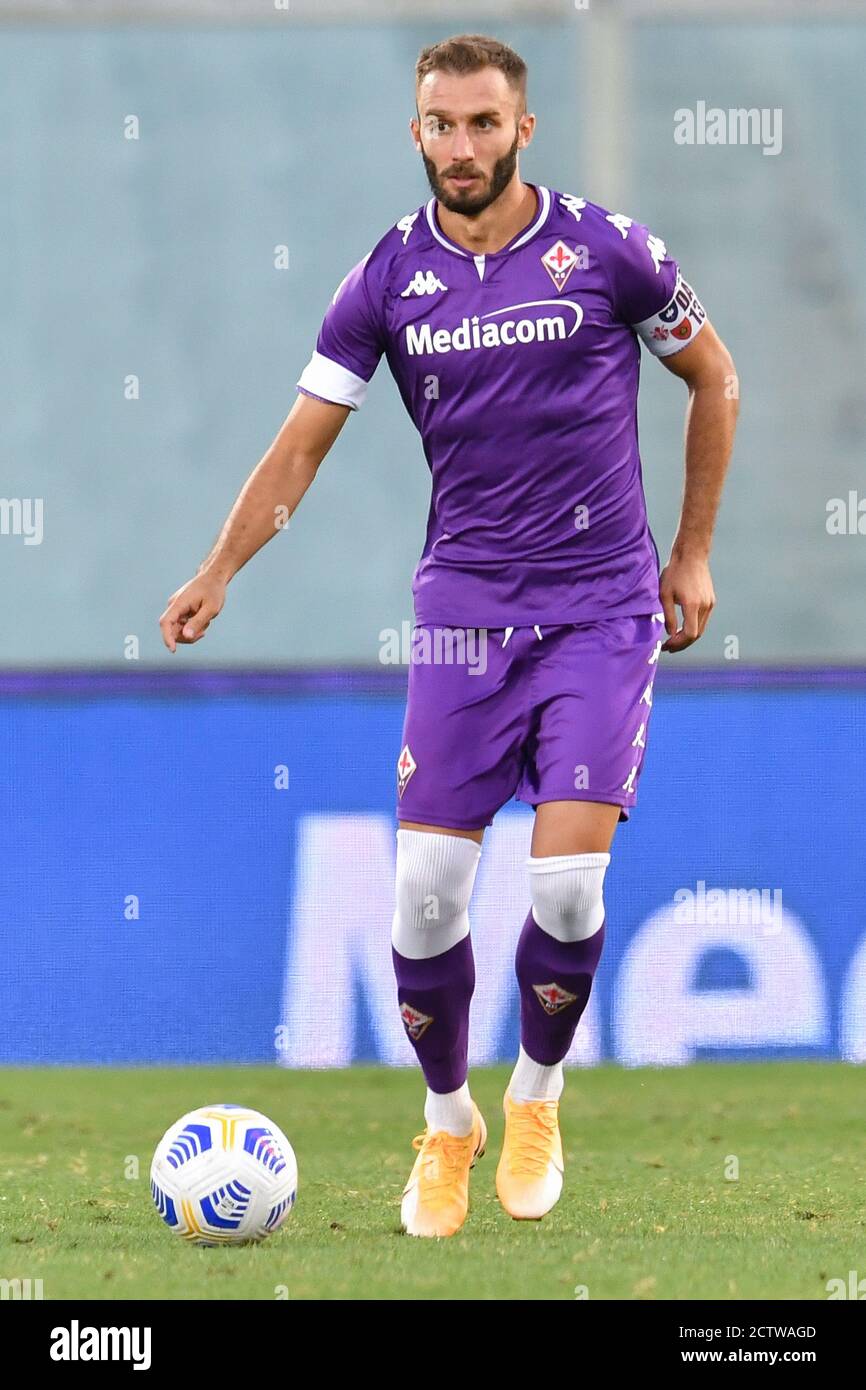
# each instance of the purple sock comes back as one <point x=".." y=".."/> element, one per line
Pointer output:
<point x="555" y="979"/>
<point x="434" y="997"/>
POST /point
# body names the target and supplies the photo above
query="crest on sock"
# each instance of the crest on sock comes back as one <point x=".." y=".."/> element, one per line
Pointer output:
<point x="406" y="765"/>
<point x="416" y="1022"/>
<point x="553" y="997"/>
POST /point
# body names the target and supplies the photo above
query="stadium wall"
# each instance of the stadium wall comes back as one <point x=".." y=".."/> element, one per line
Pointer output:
<point x="181" y="201"/>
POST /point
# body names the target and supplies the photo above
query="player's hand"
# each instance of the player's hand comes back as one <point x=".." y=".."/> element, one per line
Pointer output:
<point x="191" y="610"/>
<point x="686" y="582"/>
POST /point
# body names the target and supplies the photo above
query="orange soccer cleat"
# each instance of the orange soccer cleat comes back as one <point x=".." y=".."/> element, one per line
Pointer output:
<point x="436" y="1197"/>
<point x="529" y="1175"/>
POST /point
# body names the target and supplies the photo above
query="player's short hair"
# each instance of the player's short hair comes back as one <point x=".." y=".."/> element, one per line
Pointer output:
<point x="470" y="53"/>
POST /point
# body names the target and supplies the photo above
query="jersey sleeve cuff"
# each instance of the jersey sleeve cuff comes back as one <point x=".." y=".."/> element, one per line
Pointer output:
<point x="675" y="325"/>
<point x="330" y="381"/>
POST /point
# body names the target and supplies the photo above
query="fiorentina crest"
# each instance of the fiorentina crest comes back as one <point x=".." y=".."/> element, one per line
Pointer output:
<point x="559" y="261"/>
<point x="553" y="997"/>
<point x="416" y="1022"/>
<point x="406" y="765"/>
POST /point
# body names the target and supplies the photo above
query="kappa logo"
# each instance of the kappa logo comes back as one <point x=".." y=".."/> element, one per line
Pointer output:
<point x="654" y="244"/>
<point x="406" y="765"/>
<point x="559" y="261"/>
<point x="573" y="205"/>
<point x="553" y="998"/>
<point x="416" y="1022"/>
<point x="621" y="222"/>
<point x="423" y="282"/>
<point x="657" y="250"/>
<point x="406" y="224"/>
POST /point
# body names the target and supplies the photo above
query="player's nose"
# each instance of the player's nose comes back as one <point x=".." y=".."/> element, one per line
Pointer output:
<point x="462" y="149"/>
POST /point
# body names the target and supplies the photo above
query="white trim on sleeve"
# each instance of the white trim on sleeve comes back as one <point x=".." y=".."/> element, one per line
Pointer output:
<point x="328" y="379"/>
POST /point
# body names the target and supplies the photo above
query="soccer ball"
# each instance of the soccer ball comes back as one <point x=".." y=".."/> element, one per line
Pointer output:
<point x="224" y="1175"/>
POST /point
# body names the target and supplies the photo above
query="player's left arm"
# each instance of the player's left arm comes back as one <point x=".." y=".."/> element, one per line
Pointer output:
<point x="649" y="294"/>
<point x="707" y="368"/>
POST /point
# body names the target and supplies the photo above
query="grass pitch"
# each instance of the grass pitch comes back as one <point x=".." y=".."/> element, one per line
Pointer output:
<point x="709" y="1181"/>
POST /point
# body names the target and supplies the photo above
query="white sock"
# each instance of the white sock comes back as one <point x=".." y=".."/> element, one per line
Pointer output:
<point x="432" y="871"/>
<point x="567" y="899"/>
<point x="451" y="1111"/>
<point x="532" y="1081"/>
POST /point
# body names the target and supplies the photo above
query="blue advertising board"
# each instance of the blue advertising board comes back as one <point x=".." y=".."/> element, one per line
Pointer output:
<point x="200" y="869"/>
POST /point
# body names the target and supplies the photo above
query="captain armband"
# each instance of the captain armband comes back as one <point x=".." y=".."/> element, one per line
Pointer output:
<point x="681" y="320"/>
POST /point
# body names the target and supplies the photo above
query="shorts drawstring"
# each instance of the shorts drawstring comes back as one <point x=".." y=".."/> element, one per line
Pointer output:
<point x="509" y="630"/>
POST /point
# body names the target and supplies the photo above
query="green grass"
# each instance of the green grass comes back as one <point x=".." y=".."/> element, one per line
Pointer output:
<point x="646" y="1213"/>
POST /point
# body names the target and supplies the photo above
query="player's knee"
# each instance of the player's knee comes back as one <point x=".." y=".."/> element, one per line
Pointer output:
<point x="567" y="894"/>
<point x="435" y="877"/>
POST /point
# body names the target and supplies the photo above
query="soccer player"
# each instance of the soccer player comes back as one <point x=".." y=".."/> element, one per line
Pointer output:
<point x="511" y="317"/>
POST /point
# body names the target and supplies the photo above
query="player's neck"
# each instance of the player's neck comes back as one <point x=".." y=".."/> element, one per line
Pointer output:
<point x="497" y="225"/>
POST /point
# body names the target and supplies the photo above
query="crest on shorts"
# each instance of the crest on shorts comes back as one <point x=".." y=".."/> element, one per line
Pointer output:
<point x="406" y="765"/>
<point x="416" y="1022"/>
<point x="553" y="997"/>
<point x="559" y="261"/>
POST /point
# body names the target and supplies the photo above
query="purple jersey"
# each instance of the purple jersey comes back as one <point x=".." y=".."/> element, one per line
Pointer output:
<point x="520" y="370"/>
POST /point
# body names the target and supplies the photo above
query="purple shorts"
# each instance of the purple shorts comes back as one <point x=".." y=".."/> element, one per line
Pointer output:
<point x="545" y="713"/>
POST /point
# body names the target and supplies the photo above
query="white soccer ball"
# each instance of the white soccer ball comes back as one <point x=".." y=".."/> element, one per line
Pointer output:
<point x="224" y="1175"/>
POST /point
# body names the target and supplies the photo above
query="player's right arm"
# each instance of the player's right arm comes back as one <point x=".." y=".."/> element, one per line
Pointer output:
<point x="267" y="500"/>
<point x="350" y="343"/>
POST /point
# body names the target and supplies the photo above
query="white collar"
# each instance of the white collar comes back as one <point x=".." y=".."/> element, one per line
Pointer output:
<point x="526" y="235"/>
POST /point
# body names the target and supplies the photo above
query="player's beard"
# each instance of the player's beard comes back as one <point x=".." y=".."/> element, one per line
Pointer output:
<point x="467" y="202"/>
